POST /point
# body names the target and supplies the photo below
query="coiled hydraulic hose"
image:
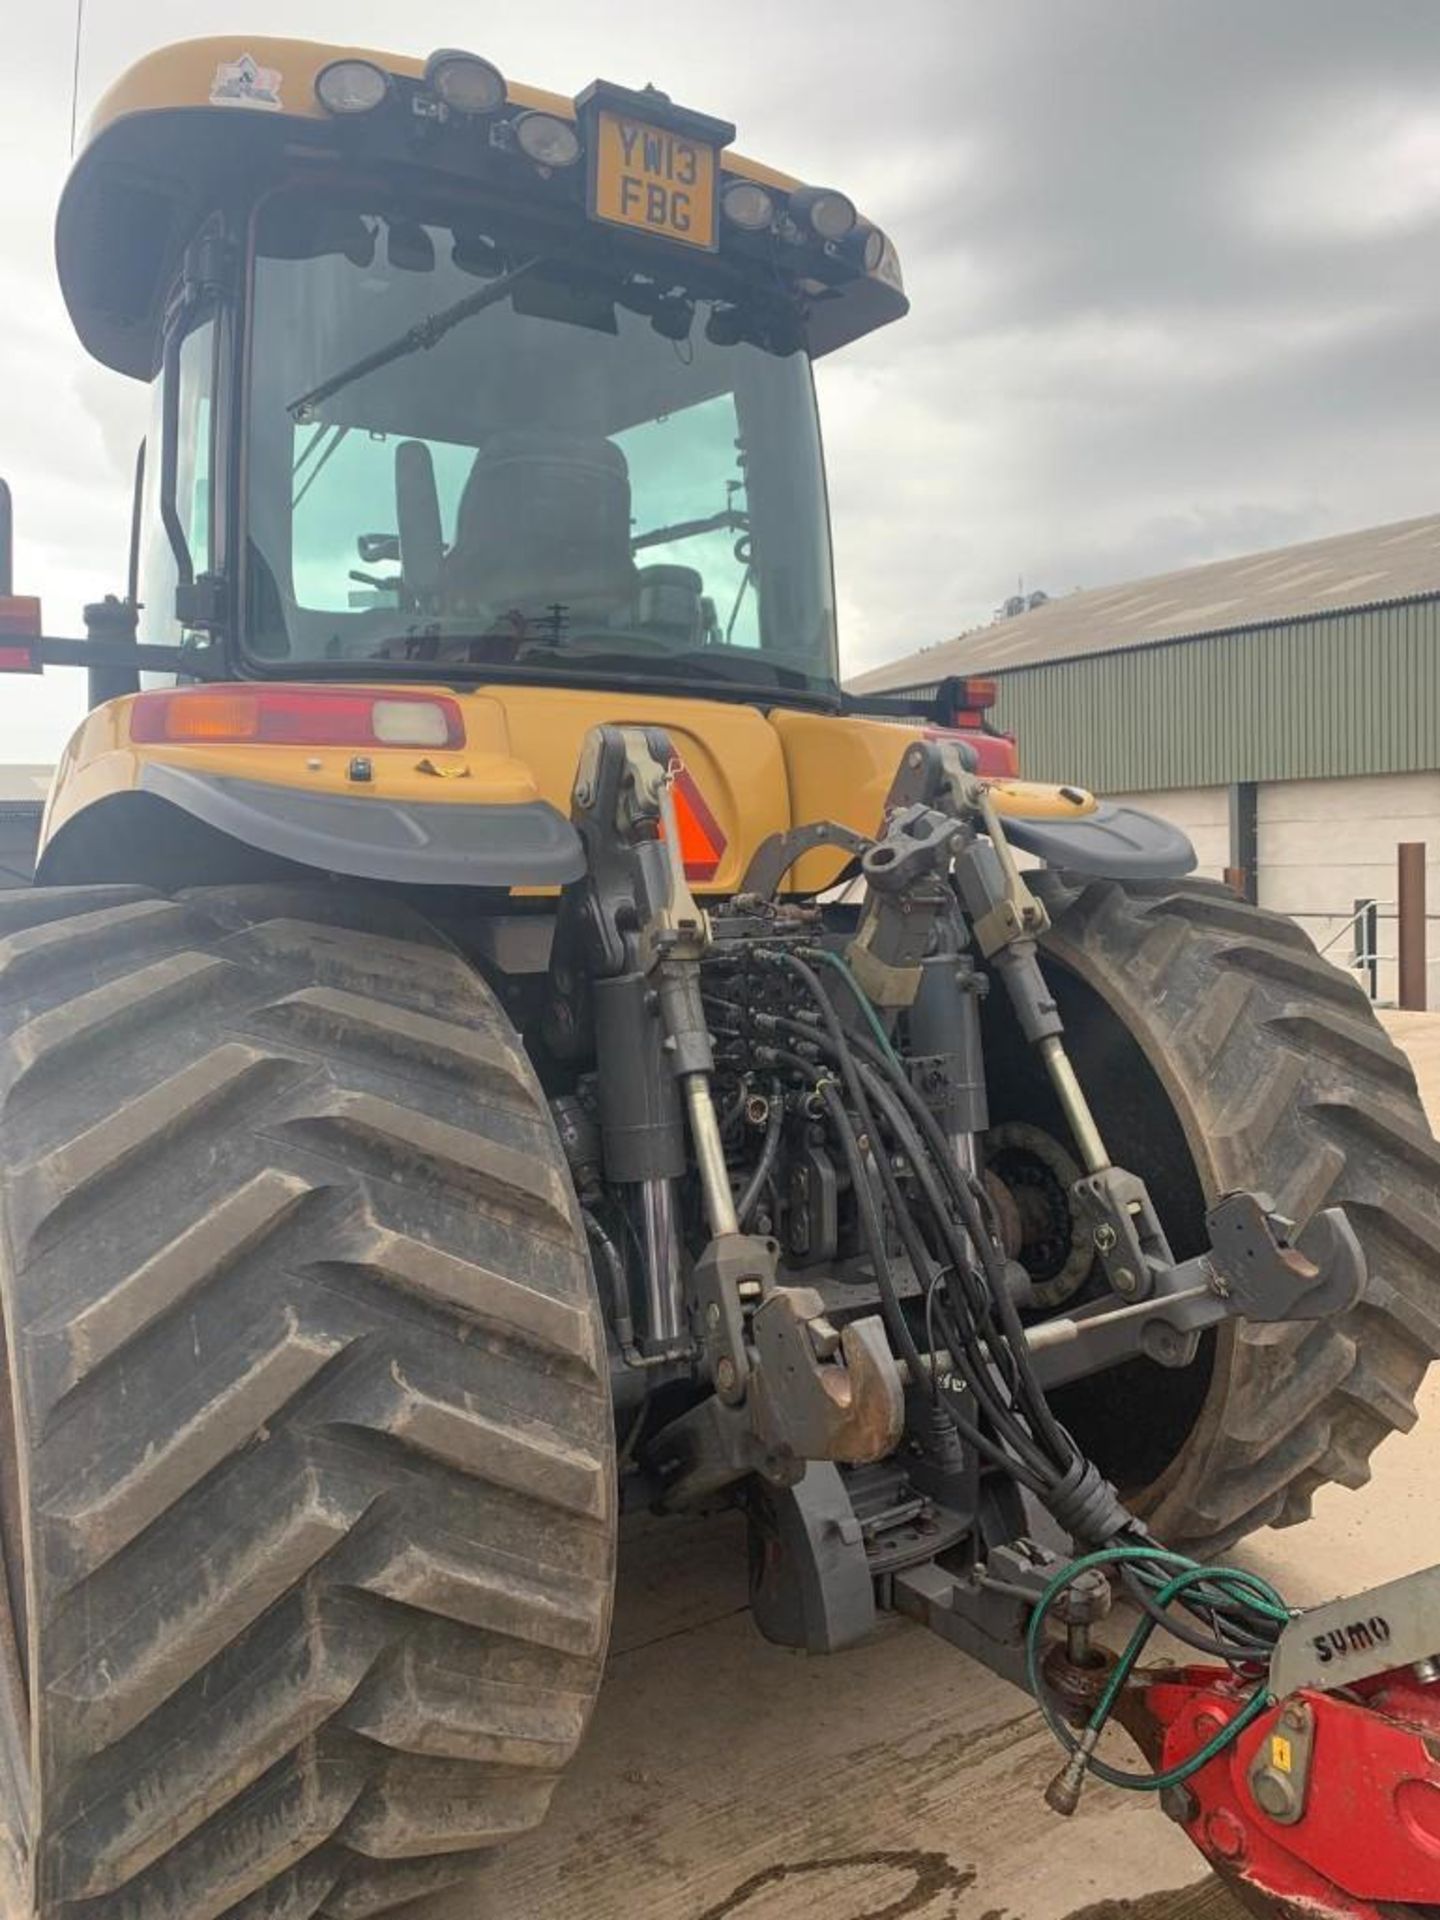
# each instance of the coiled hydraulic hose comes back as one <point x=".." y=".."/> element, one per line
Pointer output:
<point x="1173" y="1579"/>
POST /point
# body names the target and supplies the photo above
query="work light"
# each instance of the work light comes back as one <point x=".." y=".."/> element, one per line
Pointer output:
<point x="749" y="206"/>
<point x="467" y="84"/>
<point x="829" y="214"/>
<point x="352" y="86"/>
<point x="867" y="246"/>
<point x="547" y="139"/>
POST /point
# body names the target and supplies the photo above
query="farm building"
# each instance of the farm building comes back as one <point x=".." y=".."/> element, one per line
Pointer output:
<point x="1284" y="708"/>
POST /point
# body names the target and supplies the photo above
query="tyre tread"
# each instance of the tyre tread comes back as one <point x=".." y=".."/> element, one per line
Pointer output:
<point x="1295" y="1089"/>
<point x="321" y="1453"/>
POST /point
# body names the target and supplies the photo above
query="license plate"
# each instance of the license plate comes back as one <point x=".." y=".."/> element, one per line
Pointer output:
<point x="654" y="181"/>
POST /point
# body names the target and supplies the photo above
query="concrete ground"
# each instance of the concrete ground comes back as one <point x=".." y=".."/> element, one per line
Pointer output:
<point x="726" y="1779"/>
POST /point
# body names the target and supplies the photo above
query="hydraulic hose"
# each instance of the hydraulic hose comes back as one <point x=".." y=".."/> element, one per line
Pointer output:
<point x="769" y="1154"/>
<point x="1019" y="1453"/>
<point x="1174" y="1580"/>
<point x="615" y="1272"/>
<point x="1014" y="1426"/>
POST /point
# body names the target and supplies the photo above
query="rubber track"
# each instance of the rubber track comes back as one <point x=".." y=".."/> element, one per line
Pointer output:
<point x="315" y="1431"/>
<point x="1285" y="1082"/>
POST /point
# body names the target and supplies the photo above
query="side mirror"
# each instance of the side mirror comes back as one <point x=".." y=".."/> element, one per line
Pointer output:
<point x="109" y="648"/>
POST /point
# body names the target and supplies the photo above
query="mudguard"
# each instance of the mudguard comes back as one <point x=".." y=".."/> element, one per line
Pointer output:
<point x="528" y="843"/>
<point x="1114" y="842"/>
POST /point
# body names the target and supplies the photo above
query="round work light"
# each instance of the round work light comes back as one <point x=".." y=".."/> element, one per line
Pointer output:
<point x="547" y="140"/>
<point x="467" y="84"/>
<point x="352" y="86"/>
<point x="829" y="214"/>
<point x="749" y="206"/>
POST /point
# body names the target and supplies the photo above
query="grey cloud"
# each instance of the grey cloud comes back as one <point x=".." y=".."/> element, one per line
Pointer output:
<point x="1123" y="163"/>
<point x="1128" y="350"/>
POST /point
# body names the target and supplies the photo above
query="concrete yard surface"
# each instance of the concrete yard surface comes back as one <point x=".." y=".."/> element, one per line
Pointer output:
<point x="726" y="1779"/>
<point x="1419" y="1035"/>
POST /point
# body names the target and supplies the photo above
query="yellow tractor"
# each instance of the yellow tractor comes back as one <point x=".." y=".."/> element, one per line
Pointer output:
<point x="499" y="1036"/>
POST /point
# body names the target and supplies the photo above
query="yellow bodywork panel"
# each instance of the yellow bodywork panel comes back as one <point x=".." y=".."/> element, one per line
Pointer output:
<point x="185" y="75"/>
<point x="217" y="122"/>
<point x="1031" y="800"/>
<point x="757" y="773"/>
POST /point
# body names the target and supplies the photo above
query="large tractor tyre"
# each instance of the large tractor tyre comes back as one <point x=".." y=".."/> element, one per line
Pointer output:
<point x="308" y="1496"/>
<point x="1221" y="1051"/>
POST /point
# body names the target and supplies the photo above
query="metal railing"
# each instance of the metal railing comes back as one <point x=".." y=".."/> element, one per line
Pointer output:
<point x="1362" y="927"/>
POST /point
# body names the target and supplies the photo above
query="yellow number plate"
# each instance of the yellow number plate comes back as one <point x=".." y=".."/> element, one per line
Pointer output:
<point x="654" y="181"/>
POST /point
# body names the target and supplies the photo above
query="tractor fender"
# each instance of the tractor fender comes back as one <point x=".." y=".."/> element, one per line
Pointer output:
<point x="1110" y="842"/>
<point x="363" y="836"/>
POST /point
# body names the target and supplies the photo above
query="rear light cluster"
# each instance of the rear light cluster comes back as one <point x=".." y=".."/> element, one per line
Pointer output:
<point x="19" y="623"/>
<point x="974" y="695"/>
<point x="295" y="717"/>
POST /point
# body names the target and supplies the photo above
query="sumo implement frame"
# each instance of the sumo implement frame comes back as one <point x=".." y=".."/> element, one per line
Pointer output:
<point x="1306" y="1768"/>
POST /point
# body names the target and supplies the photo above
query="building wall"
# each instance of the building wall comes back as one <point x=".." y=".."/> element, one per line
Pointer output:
<point x="1332" y="696"/>
<point x="1202" y="812"/>
<point x="1323" y="845"/>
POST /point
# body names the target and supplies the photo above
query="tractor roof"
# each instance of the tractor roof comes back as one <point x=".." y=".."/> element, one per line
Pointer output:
<point x="192" y="126"/>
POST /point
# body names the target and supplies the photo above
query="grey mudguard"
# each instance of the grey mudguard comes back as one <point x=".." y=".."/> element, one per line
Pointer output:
<point x="1114" y="842"/>
<point x="451" y="843"/>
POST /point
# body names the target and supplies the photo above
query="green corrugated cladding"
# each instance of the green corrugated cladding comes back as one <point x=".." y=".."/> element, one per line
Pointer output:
<point x="1329" y="695"/>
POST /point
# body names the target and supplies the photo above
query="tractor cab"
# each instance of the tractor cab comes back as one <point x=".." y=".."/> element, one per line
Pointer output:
<point x="460" y="385"/>
<point x="454" y="378"/>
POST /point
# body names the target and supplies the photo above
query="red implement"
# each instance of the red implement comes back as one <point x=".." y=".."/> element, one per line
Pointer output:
<point x="1327" y="1804"/>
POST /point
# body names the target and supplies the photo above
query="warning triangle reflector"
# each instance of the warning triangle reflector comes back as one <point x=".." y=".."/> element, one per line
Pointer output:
<point x="702" y="843"/>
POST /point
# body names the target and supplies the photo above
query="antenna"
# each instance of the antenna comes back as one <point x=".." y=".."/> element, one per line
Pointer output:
<point x="75" y="73"/>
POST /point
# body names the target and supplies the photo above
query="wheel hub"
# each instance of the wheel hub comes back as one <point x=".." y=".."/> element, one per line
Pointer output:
<point x="1034" y="1173"/>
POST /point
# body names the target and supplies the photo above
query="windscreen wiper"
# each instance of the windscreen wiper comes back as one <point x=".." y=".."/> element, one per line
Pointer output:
<point x="728" y="519"/>
<point x="417" y="339"/>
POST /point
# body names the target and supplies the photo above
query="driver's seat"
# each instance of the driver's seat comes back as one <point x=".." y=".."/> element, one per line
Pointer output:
<point x="544" y="519"/>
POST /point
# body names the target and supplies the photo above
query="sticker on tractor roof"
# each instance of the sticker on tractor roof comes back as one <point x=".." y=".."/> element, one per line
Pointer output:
<point x="245" y="83"/>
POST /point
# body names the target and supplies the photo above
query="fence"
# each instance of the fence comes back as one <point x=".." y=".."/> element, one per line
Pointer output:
<point x="1357" y="935"/>
<point x="1363" y="943"/>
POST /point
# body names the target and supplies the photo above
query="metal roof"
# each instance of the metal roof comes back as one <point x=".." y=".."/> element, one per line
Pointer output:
<point x="1374" y="567"/>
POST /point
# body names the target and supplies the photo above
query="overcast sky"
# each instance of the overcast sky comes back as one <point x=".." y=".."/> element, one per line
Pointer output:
<point x="1175" y="267"/>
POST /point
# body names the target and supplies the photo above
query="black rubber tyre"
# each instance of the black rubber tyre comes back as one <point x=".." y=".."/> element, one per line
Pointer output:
<point x="313" y="1531"/>
<point x="1281" y="1079"/>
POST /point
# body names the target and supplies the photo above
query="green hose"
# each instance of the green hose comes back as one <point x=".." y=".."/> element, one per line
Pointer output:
<point x="862" y="999"/>
<point x="1230" y="1583"/>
